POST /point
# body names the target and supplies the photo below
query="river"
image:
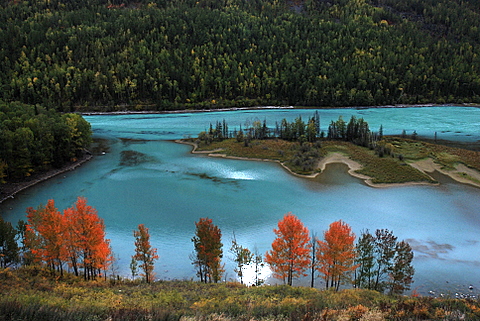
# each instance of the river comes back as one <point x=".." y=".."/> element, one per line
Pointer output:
<point x="169" y="189"/>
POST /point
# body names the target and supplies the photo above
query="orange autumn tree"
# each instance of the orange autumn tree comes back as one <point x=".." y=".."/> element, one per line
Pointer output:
<point x="44" y="235"/>
<point x="77" y="238"/>
<point x="336" y="254"/>
<point x="290" y="253"/>
<point x="86" y="244"/>
<point x="144" y="253"/>
<point x="208" y="247"/>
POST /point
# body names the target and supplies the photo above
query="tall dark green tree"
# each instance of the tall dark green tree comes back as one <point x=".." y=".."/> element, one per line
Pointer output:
<point x="9" y="250"/>
<point x="383" y="262"/>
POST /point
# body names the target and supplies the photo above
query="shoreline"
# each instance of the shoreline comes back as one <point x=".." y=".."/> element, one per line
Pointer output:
<point x="186" y="111"/>
<point x="9" y="190"/>
<point x="426" y="166"/>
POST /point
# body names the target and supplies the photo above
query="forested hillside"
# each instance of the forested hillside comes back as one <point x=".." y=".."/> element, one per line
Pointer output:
<point x="160" y="54"/>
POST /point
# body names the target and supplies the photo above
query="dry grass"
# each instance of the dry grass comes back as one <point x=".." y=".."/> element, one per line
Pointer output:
<point x="32" y="294"/>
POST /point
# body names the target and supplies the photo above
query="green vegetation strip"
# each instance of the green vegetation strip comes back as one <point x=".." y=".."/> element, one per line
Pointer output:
<point x="382" y="170"/>
<point x="388" y="169"/>
<point x="33" y="294"/>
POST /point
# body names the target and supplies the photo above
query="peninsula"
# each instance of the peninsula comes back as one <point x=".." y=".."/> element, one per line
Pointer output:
<point x="409" y="161"/>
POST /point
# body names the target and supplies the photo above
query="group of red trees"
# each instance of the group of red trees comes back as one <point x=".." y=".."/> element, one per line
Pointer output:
<point x="75" y="237"/>
<point x="376" y="262"/>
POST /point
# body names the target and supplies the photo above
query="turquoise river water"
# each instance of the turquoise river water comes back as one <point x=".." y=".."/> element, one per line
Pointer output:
<point x="171" y="189"/>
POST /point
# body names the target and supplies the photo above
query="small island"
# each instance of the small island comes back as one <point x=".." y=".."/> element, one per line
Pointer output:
<point x="302" y="149"/>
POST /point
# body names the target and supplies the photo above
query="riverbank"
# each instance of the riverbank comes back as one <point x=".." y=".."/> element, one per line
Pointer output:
<point x="426" y="166"/>
<point x="9" y="190"/>
<point x="183" y="111"/>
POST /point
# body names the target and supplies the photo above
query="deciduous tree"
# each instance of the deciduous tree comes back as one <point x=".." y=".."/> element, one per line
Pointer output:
<point x="46" y="235"/>
<point x="365" y="274"/>
<point x="86" y="244"/>
<point x="290" y="254"/>
<point x="144" y="253"/>
<point x="242" y="257"/>
<point x="402" y="272"/>
<point x="384" y="263"/>
<point x="208" y="248"/>
<point x="336" y="254"/>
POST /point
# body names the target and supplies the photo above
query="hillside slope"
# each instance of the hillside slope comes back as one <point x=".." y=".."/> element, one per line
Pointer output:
<point x="99" y="55"/>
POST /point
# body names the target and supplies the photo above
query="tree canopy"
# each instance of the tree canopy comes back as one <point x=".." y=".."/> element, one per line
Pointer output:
<point x="33" y="139"/>
<point x="95" y="54"/>
<point x="290" y="254"/>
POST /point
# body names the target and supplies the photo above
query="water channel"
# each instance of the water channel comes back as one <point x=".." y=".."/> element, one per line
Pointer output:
<point x="169" y="189"/>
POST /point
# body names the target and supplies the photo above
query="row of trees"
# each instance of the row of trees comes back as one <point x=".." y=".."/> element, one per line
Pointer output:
<point x="172" y="54"/>
<point x="297" y="130"/>
<point x="380" y="263"/>
<point x="33" y="139"/>
<point x="376" y="262"/>
<point x="74" y="239"/>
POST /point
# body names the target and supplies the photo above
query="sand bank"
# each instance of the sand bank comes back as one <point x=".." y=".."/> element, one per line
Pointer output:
<point x="461" y="174"/>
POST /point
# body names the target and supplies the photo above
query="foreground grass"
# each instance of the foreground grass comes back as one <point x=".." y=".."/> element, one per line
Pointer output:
<point x="32" y="294"/>
<point x="392" y="168"/>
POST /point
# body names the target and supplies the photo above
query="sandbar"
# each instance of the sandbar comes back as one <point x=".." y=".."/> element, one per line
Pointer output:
<point x="427" y="166"/>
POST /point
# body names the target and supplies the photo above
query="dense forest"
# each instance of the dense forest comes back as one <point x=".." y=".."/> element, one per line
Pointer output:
<point x="108" y="55"/>
<point x="34" y="140"/>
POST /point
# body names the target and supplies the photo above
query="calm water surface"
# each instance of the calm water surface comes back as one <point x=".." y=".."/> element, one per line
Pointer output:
<point x="171" y="189"/>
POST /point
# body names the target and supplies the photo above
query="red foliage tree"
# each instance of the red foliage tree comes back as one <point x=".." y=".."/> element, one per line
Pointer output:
<point x="208" y="247"/>
<point x="336" y="254"/>
<point x="290" y="254"/>
<point x="86" y="238"/>
<point x="45" y="235"/>
<point x="144" y="253"/>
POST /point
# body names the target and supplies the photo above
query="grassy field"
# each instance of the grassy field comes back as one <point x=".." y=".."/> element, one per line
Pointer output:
<point x="391" y="168"/>
<point x="33" y="294"/>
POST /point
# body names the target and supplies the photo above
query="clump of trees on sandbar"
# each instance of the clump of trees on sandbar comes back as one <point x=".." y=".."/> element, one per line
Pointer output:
<point x="76" y="240"/>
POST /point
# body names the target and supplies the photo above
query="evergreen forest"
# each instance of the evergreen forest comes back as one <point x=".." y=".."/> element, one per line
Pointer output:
<point x="103" y="55"/>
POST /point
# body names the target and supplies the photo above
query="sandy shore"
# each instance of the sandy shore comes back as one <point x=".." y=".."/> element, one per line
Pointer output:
<point x="426" y="166"/>
<point x="11" y="189"/>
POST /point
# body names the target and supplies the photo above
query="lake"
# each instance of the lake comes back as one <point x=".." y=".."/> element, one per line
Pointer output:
<point x="170" y="189"/>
